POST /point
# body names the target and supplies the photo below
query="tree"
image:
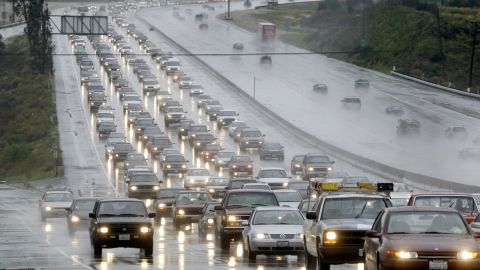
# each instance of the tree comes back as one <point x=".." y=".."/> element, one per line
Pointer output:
<point x="38" y="31"/>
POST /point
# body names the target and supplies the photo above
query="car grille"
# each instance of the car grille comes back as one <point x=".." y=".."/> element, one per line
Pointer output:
<point x="436" y="254"/>
<point x="123" y="228"/>
<point x="350" y="238"/>
<point x="193" y="211"/>
<point x="145" y="188"/>
<point x="280" y="248"/>
<point x="282" y="236"/>
<point x="174" y="166"/>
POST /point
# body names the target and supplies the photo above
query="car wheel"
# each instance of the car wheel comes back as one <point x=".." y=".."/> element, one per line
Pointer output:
<point x="252" y="256"/>
<point x="148" y="248"/>
<point x="322" y="265"/>
<point x="97" y="250"/>
<point x="176" y="223"/>
<point x="43" y="217"/>
<point x="224" y="242"/>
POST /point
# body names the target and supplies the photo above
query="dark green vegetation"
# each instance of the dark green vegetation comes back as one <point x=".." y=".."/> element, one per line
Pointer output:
<point x="406" y="34"/>
<point x="28" y="128"/>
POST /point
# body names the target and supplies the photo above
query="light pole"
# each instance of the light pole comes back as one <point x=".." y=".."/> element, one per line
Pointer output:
<point x="254" y="86"/>
<point x="472" y="55"/>
<point x="228" y="11"/>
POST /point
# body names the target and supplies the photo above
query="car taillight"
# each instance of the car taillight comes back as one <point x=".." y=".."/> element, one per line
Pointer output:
<point x="469" y="218"/>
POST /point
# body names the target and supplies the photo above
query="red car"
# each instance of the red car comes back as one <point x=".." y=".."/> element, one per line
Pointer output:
<point x="420" y="238"/>
<point x="210" y="151"/>
<point x="240" y="166"/>
<point x="464" y="203"/>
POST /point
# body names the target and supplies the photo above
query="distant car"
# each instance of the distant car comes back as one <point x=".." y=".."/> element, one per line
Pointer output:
<point x="408" y="127"/>
<point x="195" y="90"/>
<point x="420" y="238"/>
<point x="266" y="59"/>
<point x="121" y="223"/>
<point x="400" y="198"/>
<point x="260" y="186"/>
<point x="105" y="128"/>
<point x="288" y="197"/>
<point x="134" y="159"/>
<point x="300" y="186"/>
<point x="352" y="103"/>
<point x="143" y="186"/>
<point x="238" y="46"/>
<point x="306" y="205"/>
<point x="203" y="26"/>
<point x="362" y="83"/>
<point x="457" y="132"/>
<point x="165" y="199"/>
<point x="234" y="125"/>
<point x="209" y="152"/>
<point x="273" y="231"/>
<point x="226" y="117"/>
<point x="55" y="203"/>
<point x="276" y="178"/>
<point x="216" y="186"/>
<point x="120" y="151"/>
<point x="240" y="166"/>
<point x="185" y="82"/>
<point x="296" y="164"/>
<point x="316" y="165"/>
<point x="394" y="110"/>
<point x="188" y="207"/>
<point x="196" y="178"/>
<point x="77" y="216"/>
<point x="271" y="150"/>
<point x="183" y="127"/>
<point x="222" y="159"/>
<point x="250" y="138"/>
<point x="207" y="221"/>
<point x="472" y="153"/>
<point x="320" y="87"/>
<point x="174" y="163"/>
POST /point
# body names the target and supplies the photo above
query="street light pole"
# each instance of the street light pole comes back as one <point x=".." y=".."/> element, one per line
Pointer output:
<point x="228" y="11"/>
<point x="254" y="86"/>
<point x="472" y="54"/>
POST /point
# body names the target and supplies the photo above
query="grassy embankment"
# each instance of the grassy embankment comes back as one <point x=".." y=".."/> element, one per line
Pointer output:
<point x="28" y="127"/>
<point x="399" y="36"/>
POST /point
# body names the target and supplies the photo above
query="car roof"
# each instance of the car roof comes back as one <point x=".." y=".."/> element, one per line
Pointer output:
<point x="444" y="194"/>
<point x="192" y="191"/>
<point x="421" y="209"/>
<point x="285" y="191"/>
<point x="270" y="208"/>
<point x="272" y="168"/>
<point x="87" y="199"/>
<point x="58" y="191"/>
<point x="249" y="191"/>
<point x="353" y="195"/>
<point x="120" y="200"/>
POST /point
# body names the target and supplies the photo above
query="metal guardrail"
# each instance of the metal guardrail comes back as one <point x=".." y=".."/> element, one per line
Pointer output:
<point x="11" y="25"/>
<point x="441" y="87"/>
<point x="366" y="164"/>
<point x="285" y="4"/>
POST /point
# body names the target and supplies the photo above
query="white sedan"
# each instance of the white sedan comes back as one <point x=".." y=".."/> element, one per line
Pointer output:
<point x="274" y="230"/>
<point x="196" y="178"/>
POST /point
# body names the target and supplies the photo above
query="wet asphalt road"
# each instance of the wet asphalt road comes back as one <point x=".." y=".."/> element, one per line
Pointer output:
<point x="29" y="243"/>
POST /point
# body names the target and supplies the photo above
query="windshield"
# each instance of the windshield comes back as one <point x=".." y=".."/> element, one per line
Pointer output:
<point x="278" y="217"/>
<point x="168" y="193"/>
<point x="288" y="196"/>
<point x="123" y="146"/>
<point x="198" y="128"/>
<point x="308" y="206"/>
<point x="298" y="185"/>
<point x="238" y="124"/>
<point x="131" y="98"/>
<point x="173" y="63"/>
<point x="318" y="159"/>
<point x="399" y="201"/>
<point x="430" y="222"/>
<point x="259" y="186"/>
<point x="191" y="197"/>
<point x="121" y="208"/>
<point x="143" y="178"/>
<point x="58" y="197"/>
<point x="204" y="137"/>
<point x="350" y="208"/>
<point x="198" y="172"/>
<point x="273" y="174"/>
<point x="174" y="158"/>
<point x="173" y="109"/>
<point x="104" y="115"/>
<point x="250" y="199"/>
<point x="227" y="113"/>
<point x="240" y="159"/>
<point x="236" y="184"/>
<point x="116" y="135"/>
<point x="225" y="154"/>
<point x="272" y="146"/>
<point x="217" y="181"/>
<point x="142" y="122"/>
<point x="464" y="204"/>
<point x="252" y="133"/>
<point x="84" y="205"/>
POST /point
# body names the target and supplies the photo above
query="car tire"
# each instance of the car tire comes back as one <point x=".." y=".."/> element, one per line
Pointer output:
<point x="252" y="256"/>
<point x="97" y="250"/>
<point x="310" y="261"/>
<point x="322" y="265"/>
<point x="176" y="223"/>
<point x="43" y="217"/>
<point x="224" y="242"/>
<point x="148" y="249"/>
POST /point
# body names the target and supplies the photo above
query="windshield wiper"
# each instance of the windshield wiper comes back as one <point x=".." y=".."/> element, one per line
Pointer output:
<point x="398" y="233"/>
<point x="259" y="204"/>
<point x="131" y="215"/>
<point x="361" y="212"/>
<point x="236" y="206"/>
<point x="433" y="232"/>
<point x="107" y="215"/>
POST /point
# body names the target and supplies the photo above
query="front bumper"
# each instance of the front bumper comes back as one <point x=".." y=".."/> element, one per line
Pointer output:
<point x="185" y="218"/>
<point x="196" y="184"/>
<point x="142" y="194"/>
<point x="341" y="254"/>
<point x="394" y="264"/>
<point x="113" y="240"/>
<point x="277" y="246"/>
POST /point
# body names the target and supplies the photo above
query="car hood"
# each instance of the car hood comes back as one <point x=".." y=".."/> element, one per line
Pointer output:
<point x="349" y="224"/>
<point x="429" y="242"/>
<point x="57" y="204"/>
<point x="239" y="211"/>
<point x="197" y="178"/>
<point x="144" y="183"/>
<point x="215" y="187"/>
<point x="83" y="215"/>
<point x="277" y="229"/>
<point x="191" y="205"/>
<point x="166" y="200"/>
<point x="123" y="220"/>
<point x="289" y="204"/>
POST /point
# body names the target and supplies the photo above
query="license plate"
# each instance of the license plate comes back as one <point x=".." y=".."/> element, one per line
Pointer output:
<point x="438" y="265"/>
<point x="360" y="252"/>
<point x="124" y="237"/>
<point x="282" y="244"/>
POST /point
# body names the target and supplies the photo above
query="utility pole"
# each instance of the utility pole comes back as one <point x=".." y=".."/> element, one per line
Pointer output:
<point x="228" y="11"/>
<point x="472" y="55"/>
<point x="363" y="42"/>
<point x="254" y="86"/>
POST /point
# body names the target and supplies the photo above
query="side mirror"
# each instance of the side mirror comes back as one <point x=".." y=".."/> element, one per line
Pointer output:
<point x="151" y="215"/>
<point x="263" y="135"/>
<point x="68" y="209"/>
<point x="186" y="161"/>
<point x="373" y="234"/>
<point x="333" y="162"/>
<point x="311" y="215"/>
<point x="127" y="181"/>
<point x="91" y="215"/>
<point x="218" y="207"/>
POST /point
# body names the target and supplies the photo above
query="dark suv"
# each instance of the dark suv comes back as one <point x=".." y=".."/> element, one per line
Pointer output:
<point x="233" y="214"/>
<point x="121" y="223"/>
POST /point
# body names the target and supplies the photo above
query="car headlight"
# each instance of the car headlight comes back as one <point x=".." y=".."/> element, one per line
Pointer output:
<point x="329" y="168"/>
<point x="285" y="184"/>
<point x="156" y="188"/>
<point x="48" y="208"/>
<point x="169" y="116"/>
<point x="139" y="129"/>
<point x="169" y="166"/>
<point x="211" y="190"/>
<point x="198" y="144"/>
<point x="181" y="212"/>
<point x="193" y="135"/>
<point x="406" y="254"/>
<point x="299" y="236"/>
<point x="184" y="166"/>
<point x="330" y="238"/>
<point x="133" y="188"/>
<point x="144" y="229"/>
<point x="103" y="230"/>
<point x="162" y="205"/>
<point x="260" y="142"/>
<point x="74" y="219"/>
<point x="116" y="155"/>
<point x="261" y="236"/>
<point x="297" y="165"/>
<point x="155" y="148"/>
<point x="232" y="218"/>
<point x="466" y="255"/>
<point x="145" y="137"/>
<point x="182" y="129"/>
<point x="310" y="169"/>
<point x="249" y="166"/>
<point x="210" y="221"/>
<point x="234" y="166"/>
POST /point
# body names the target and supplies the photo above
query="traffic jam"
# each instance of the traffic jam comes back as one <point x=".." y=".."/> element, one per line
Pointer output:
<point x="179" y="158"/>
